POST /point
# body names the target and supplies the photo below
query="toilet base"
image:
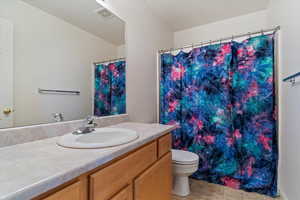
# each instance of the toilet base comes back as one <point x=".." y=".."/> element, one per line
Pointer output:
<point x="181" y="186"/>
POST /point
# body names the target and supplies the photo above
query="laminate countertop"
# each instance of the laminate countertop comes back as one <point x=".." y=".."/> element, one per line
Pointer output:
<point x="30" y="169"/>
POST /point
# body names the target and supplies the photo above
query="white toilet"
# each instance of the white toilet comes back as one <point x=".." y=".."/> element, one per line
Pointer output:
<point x="184" y="164"/>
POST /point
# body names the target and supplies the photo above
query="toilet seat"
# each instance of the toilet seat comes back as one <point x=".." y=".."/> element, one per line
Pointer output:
<point x="184" y="157"/>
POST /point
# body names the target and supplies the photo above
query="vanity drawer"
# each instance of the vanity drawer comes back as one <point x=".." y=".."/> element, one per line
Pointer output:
<point x="164" y="145"/>
<point x="108" y="181"/>
<point x="71" y="192"/>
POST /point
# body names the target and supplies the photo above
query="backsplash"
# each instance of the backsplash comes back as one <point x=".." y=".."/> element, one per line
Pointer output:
<point x="20" y="135"/>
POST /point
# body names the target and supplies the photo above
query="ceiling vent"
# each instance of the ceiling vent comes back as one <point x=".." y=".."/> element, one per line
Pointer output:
<point x="104" y="13"/>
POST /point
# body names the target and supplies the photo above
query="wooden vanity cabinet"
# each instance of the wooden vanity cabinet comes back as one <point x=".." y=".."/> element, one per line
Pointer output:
<point x="164" y="145"/>
<point x="70" y="192"/>
<point x="143" y="174"/>
<point x="106" y="182"/>
<point x="155" y="182"/>
<point x="124" y="194"/>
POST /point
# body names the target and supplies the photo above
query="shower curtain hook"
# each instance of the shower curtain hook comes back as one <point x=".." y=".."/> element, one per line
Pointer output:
<point x="220" y="41"/>
<point x="200" y="44"/>
<point x="210" y="42"/>
<point x="232" y="38"/>
<point x="262" y="32"/>
<point x="249" y="34"/>
<point x="172" y="50"/>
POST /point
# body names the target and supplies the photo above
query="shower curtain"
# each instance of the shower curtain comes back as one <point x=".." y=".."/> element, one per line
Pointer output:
<point x="222" y="97"/>
<point x="110" y="89"/>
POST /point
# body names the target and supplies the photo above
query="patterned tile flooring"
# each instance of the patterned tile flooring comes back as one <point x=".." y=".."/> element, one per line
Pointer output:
<point x="201" y="190"/>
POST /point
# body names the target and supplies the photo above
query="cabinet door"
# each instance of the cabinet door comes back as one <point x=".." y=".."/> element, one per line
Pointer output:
<point x="108" y="181"/>
<point x="156" y="182"/>
<point x="125" y="194"/>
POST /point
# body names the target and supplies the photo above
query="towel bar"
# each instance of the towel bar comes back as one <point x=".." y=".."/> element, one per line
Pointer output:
<point x="43" y="91"/>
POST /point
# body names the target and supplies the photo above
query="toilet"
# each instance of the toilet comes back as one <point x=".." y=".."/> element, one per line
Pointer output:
<point x="184" y="164"/>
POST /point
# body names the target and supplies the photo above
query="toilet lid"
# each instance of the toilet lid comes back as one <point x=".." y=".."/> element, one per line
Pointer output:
<point x="184" y="157"/>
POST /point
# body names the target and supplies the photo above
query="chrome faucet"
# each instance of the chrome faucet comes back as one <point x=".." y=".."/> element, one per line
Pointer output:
<point x="58" y="117"/>
<point x="88" y="127"/>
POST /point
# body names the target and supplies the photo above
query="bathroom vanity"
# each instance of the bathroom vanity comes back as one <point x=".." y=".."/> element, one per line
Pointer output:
<point x="139" y="170"/>
<point x="144" y="174"/>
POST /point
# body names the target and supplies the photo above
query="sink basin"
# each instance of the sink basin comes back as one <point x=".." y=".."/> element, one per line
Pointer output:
<point x="100" y="138"/>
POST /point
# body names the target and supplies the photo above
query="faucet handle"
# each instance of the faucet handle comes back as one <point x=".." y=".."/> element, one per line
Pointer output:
<point x="90" y="119"/>
<point x="58" y="117"/>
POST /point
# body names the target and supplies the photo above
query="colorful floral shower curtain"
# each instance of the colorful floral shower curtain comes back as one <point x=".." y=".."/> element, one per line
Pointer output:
<point x="110" y="89"/>
<point x="223" y="98"/>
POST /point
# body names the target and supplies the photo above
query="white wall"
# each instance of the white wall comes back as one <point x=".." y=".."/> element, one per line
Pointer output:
<point x="52" y="54"/>
<point x="121" y="51"/>
<point x="226" y="28"/>
<point x="286" y="13"/>
<point x="145" y="35"/>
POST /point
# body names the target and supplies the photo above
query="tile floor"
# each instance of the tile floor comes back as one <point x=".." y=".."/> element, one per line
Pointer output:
<point x="207" y="191"/>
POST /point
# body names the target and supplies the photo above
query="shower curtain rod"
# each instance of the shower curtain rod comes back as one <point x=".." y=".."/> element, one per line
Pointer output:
<point x="105" y="61"/>
<point x="222" y="39"/>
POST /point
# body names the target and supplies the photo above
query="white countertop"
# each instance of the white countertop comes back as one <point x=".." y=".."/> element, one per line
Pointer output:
<point x="30" y="169"/>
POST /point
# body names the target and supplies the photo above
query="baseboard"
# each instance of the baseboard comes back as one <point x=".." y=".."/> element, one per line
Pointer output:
<point x="283" y="196"/>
